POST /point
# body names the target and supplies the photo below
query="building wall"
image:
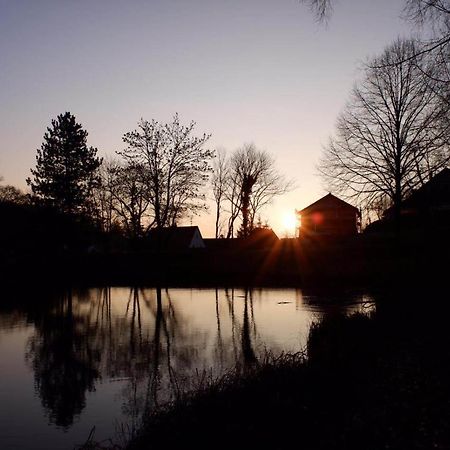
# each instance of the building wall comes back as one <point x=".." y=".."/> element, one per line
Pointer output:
<point x="339" y="222"/>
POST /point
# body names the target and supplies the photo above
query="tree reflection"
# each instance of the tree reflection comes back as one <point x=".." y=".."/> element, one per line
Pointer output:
<point x="65" y="366"/>
<point x="229" y="294"/>
<point x="138" y="337"/>
<point x="248" y="353"/>
<point x="166" y="353"/>
<point x="243" y="351"/>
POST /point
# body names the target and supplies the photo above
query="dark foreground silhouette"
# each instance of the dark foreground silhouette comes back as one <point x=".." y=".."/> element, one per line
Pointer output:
<point x="39" y="244"/>
<point x="365" y="383"/>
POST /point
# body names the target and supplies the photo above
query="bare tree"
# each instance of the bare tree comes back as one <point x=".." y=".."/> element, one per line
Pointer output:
<point x="219" y="185"/>
<point x="389" y="139"/>
<point x="129" y="196"/>
<point x="322" y="9"/>
<point x="103" y="197"/>
<point x="253" y="183"/>
<point x="270" y="185"/>
<point x="11" y="194"/>
<point x="233" y="196"/>
<point x="435" y="12"/>
<point x="174" y="165"/>
<point x="431" y="12"/>
<point x="436" y="15"/>
<point x="121" y="199"/>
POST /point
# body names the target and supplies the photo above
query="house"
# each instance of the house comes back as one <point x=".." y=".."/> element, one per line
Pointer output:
<point x="329" y="216"/>
<point x="261" y="238"/>
<point x="428" y="205"/>
<point x="176" y="238"/>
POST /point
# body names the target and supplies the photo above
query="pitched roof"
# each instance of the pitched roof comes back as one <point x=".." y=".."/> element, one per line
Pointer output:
<point x="435" y="191"/>
<point x="328" y="201"/>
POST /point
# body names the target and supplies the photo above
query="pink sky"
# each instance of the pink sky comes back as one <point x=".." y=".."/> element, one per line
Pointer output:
<point x="246" y="71"/>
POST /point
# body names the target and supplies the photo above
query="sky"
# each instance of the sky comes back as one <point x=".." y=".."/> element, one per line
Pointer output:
<point x="260" y="71"/>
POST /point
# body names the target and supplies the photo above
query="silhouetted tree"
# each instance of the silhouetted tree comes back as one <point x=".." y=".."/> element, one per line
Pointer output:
<point x="433" y="12"/>
<point x="321" y="8"/>
<point x="103" y="198"/>
<point x="130" y="197"/>
<point x="419" y="10"/>
<point x="233" y="197"/>
<point x="11" y="194"/>
<point x="65" y="166"/>
<point x="436" y="13"/>
<point x="253" y="183"/>
<point x="175" y="167"/>
<point x="389" y="139"/>
<point x="219" y="185"/>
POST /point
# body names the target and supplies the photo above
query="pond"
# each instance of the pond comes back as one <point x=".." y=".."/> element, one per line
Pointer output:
<point x="78" y="359"/>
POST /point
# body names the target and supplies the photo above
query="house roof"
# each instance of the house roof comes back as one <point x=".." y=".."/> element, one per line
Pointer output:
<point x="435" y="191"/>
<point x="174" y="237"/>
<point x="328" y="201"/>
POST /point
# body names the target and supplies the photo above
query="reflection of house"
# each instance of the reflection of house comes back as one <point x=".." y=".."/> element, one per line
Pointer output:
<point x="329" y="216"/>
<point x="176" y="238"/>
<point x="430" y="203"/>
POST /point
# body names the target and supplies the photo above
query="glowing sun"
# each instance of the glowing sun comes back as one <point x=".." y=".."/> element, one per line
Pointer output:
<point x="290" y="222"/>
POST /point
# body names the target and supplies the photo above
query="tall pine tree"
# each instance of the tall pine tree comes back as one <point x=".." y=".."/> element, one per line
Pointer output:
<point x="66" y="168"/>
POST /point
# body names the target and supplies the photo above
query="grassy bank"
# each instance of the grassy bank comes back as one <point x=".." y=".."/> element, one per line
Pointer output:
<point x="365" y="383"/>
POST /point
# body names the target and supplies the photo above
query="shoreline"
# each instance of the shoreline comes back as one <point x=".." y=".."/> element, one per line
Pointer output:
<point x="364" y="383"/>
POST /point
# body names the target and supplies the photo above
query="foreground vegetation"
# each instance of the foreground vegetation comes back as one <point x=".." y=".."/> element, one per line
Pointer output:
<point x="365" y="383"/>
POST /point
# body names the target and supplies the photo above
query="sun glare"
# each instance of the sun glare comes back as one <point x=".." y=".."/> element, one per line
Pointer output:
<point x="290" y="223"/>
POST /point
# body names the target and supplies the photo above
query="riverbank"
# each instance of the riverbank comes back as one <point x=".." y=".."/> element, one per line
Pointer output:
<point x="364" y="383"/>
<point x="363" y="260"/>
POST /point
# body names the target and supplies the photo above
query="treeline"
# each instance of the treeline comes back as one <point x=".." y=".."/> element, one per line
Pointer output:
<point x="160" y="177"/>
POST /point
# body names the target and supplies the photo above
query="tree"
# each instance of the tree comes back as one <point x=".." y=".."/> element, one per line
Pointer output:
<point x="434" y="17"/>
<point x="103" y="196"/>
<point x="418" y="10"/>
<point x="121" y="198"/>
<point x="253" y="182"/>
<point x="433" y="12"/>
<point x="219" y="185"/>
<point x="130" y="198"/>
<point x="173" y="164"/>
<point x="65" y="166"/>
<point x="389" y="139"/>
<point x="11" y="194"/>
<point x="321" y="8"/>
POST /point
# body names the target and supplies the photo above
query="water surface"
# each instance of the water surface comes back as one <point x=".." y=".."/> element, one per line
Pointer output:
<point x="100" y="357"/>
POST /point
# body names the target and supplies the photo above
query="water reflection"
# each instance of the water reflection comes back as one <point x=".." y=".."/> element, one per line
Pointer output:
<point x="152" y="344"/>
<point x="64" y="360"/>
<point x="248" y="325"/>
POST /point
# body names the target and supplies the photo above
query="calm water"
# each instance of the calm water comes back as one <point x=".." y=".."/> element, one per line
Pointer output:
<point x="100" y="357"/>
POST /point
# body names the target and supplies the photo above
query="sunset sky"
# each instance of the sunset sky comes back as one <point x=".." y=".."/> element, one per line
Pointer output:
<point x="259" y="71"/>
